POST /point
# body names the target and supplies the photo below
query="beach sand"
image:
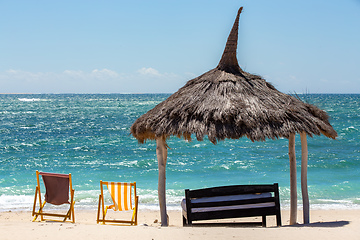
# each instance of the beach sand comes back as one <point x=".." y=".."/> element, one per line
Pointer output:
<point x="325" y="224"/>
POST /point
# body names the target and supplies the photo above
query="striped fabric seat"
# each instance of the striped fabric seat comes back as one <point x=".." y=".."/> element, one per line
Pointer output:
<point x="123" y="197"/>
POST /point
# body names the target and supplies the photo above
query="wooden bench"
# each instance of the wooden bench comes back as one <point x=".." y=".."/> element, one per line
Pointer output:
<point x="231" y="202"/>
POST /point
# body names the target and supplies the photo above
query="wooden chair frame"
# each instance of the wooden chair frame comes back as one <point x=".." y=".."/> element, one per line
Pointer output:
<point x="70" y="215"/>
<point x="103" y="208"/>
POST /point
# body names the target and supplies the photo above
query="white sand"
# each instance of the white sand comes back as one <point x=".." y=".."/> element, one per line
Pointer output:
<point x="325" y="224"/>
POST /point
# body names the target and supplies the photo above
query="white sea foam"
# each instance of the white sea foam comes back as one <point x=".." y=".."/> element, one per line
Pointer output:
<point x="16" y="202"/>
<point x="148" y="200"/>
<point x="29" y="99"/>
<point x="87" y="199"/>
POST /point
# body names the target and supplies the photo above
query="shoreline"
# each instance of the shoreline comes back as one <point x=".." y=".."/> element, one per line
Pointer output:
<point x="177" y="208"/>
<point x="324" y="224"/>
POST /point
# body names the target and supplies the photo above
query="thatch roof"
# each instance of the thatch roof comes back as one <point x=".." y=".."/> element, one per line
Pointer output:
<point x="227" y="102"/>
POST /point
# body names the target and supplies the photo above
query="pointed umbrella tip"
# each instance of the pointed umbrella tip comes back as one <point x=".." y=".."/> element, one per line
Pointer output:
<point x="228" y="60"/>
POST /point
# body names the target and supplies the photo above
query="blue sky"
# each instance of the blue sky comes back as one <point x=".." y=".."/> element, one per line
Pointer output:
<point x="308" y="46"/>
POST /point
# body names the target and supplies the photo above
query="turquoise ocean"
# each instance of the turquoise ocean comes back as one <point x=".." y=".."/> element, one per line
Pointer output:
<point x="88" y="135"/>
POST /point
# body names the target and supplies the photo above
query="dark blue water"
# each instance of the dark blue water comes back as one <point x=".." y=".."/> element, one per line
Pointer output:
<point x="88" y="136"/>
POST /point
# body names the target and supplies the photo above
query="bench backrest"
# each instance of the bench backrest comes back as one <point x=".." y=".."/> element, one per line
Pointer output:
<point x="232" y="202"/>
<point x="232" y="190"/>
<point x="261" y="194"/>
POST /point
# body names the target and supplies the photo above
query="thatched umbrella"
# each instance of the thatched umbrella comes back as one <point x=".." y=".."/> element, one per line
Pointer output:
<point x="227" y="102"/>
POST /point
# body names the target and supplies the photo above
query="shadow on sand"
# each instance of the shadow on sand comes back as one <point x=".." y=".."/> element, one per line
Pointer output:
<point x="256" y="224"/>
<point x="322" y="224"/>
<point x="227" y="224"/>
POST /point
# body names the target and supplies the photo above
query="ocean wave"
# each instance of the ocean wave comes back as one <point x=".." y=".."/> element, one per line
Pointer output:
<point x="29" y="99"/>
<point x="91" y="139"/>
<point x="148" y="200"/>
<point x="16" y="202"/>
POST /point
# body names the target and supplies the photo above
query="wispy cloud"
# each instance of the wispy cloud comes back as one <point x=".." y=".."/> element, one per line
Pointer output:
<point x="149" y="72"/>
<point x="146" y="79"/>
<point x="94" y="74"/>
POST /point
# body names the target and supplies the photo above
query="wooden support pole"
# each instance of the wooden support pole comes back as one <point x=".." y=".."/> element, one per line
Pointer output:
<point x="304" y="186"/>
<point x="293" y="185"/>
<point x="161" y="152"/>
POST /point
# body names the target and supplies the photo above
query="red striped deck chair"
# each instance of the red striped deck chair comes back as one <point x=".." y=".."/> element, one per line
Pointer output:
<point x="123" y="197"/>
<point x="58" y="188"/>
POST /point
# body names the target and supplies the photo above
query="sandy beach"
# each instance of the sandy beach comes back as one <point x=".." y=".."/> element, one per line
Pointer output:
<point x="325" y="224"/>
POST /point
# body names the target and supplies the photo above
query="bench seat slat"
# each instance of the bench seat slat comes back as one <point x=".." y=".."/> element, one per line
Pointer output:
<point x="231" y="190"/>
<point x="231" y="203"/>
<point x="251" y="212"/>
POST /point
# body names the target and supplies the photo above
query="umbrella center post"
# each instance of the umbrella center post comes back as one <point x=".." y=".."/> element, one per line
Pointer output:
<point x="161" y="152"/>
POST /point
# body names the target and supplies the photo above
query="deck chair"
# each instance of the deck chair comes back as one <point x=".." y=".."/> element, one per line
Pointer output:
<point x="123" y="196"/>
<point x="57" y="188"/>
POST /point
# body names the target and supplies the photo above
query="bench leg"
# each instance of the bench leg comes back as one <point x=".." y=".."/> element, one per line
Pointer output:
<point x="264" y="221"/>
<point x="184" y="221"/>
<point x="278" y="220"/>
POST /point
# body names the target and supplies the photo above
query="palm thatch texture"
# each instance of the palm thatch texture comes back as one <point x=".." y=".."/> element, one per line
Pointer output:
<point x="227" y="102"/>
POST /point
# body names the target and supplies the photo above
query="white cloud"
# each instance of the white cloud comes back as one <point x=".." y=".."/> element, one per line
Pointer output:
<point x="12" y="76"/>
<point x="73" y="74"/>
<point x="94" y="74"/>
<point x="145" y="80"/>
<point x="104" y="73"/>
<point x="149" y="72"/>
<point x="68" y="81"/>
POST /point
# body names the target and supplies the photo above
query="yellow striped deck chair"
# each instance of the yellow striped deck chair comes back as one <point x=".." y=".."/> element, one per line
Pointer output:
<point x="123" y="196"/>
